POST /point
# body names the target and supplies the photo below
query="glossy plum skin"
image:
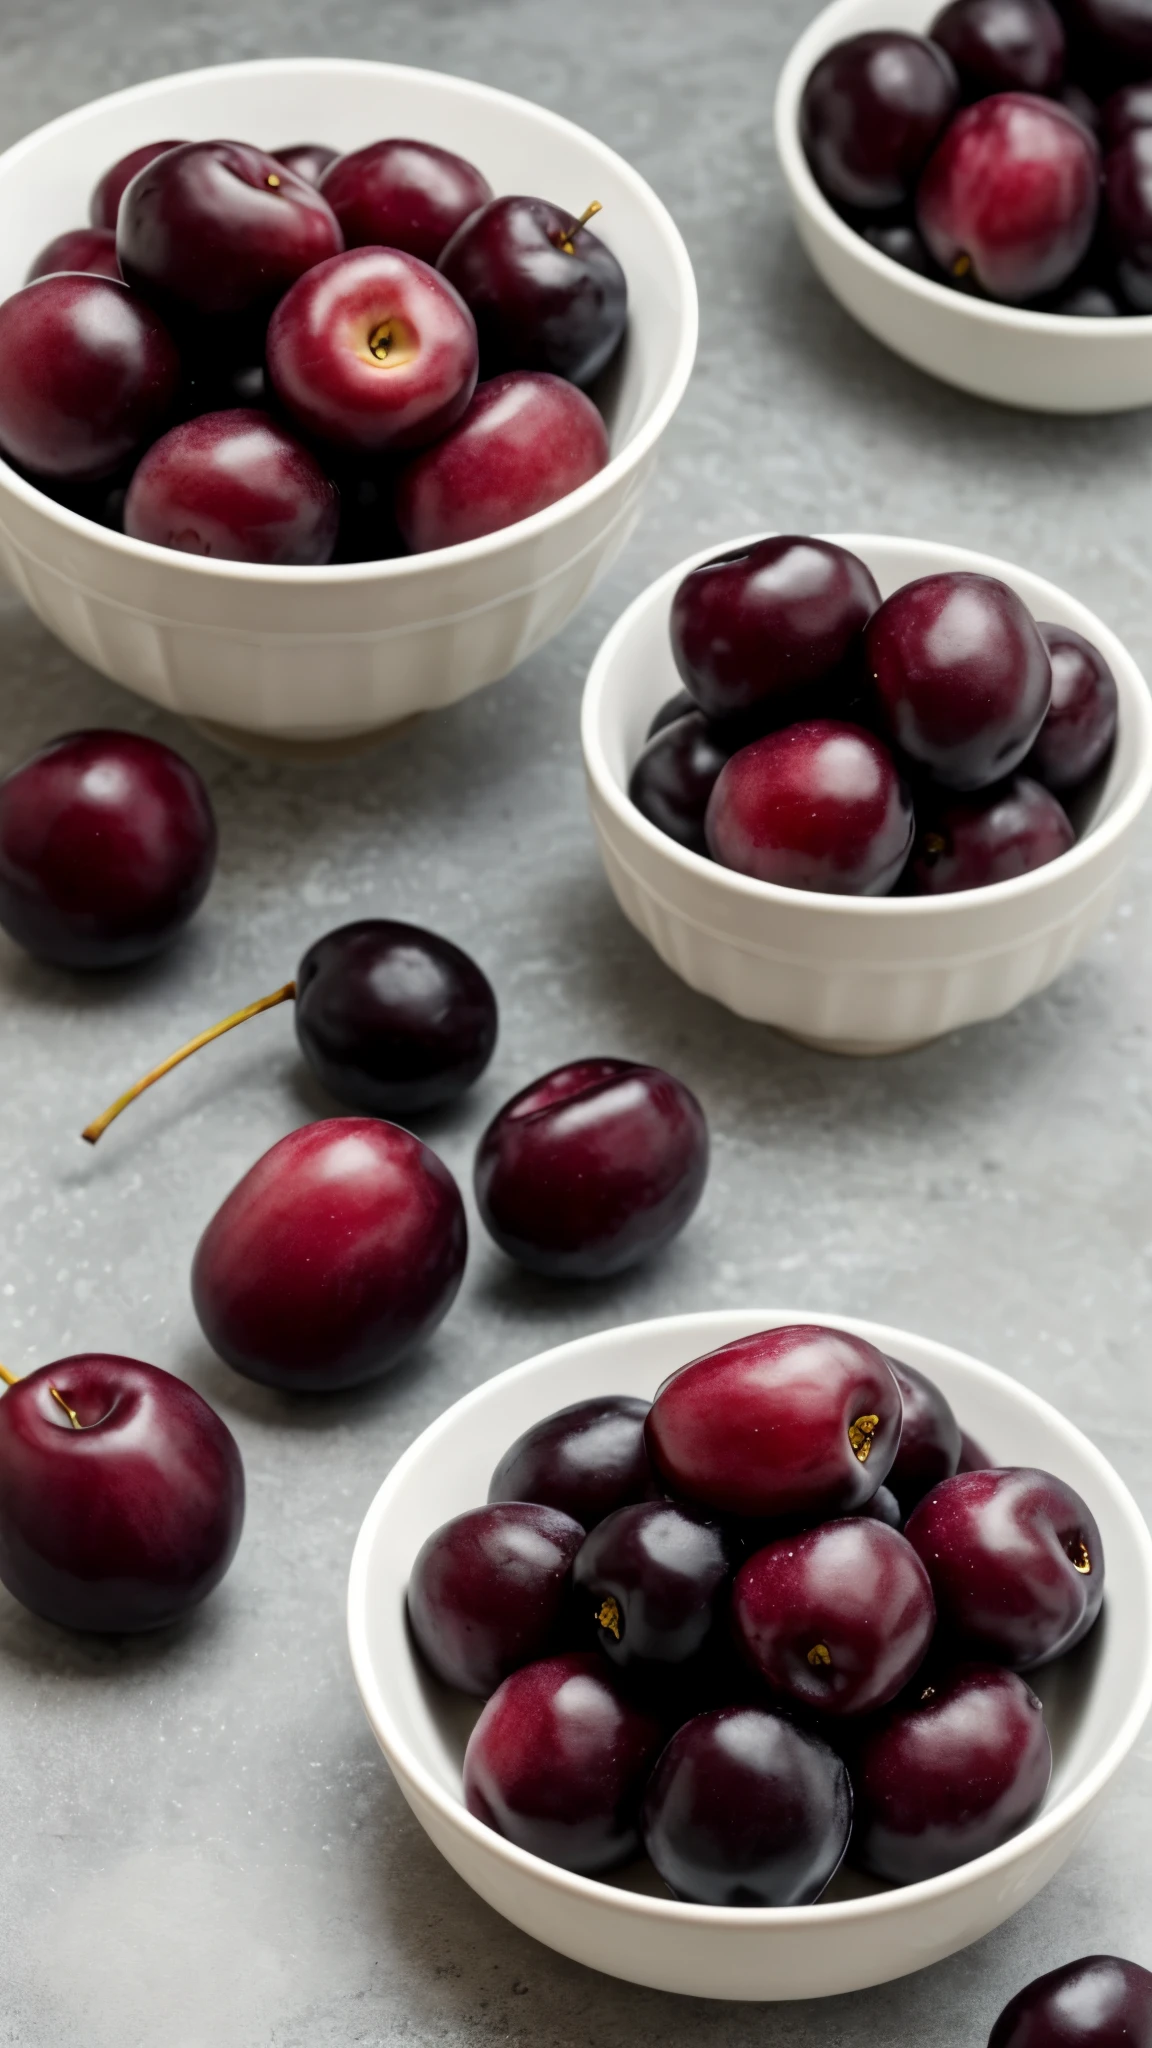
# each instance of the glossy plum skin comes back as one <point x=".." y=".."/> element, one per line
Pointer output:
<point x="104" y="205"/>
<point x="1124" y="112"/>
<point x="403" y="194"/>
<point x="220" y="228"/>
<point x="929" y="1448"/>
<point x="961" y="673"/>
<point x="836" y="1618"/>
<point x="743" y="1809"/>
<point x="546" y="294"/>
<point x="1016" y="1563"/>
<point x="1080" y="724"/>
<point x="337" y="1251"/>
<point x="1010" y="195"/>
<point x="526" y="440"/>
<point x="819" y="805"/>
<point x="489" y="1590"/>
<point x="309" y="160"/>
<point x="1117" y="33"/>
<point x="675" y="776"/>
<point x="1002" y="45"/>
<point x="871" y="111"/>
<point x="373" y="351"/>
<point x="1095" y="2002"/>
<point x="88" y="374"/>
<point x="107" y="847"/>
<point x="89" y="249"/>
<point x="586" y="1460"/>
<point x="797" y="1420"/>
<point x="557" y="1763"/>
<point x="127" y="1521"/>
<point x="949" y="1775"/>
<point x="393" y="1019"/>
<point x="971" y="842"/>
<point x="756" y="628"/>
<point x="649" y="1580"/>
<point x="900" y="241"/>
<point x="593" y="1167"/>
<point x="235" y="486"/>
<point x="1128" y="213"/>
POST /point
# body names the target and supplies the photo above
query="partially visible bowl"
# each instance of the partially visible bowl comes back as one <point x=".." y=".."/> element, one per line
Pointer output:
<point x="327" y="654"/>
<point x="1047" y="362"/>
<point x="853" y="974"/>
<point x="1095" y="1701"/>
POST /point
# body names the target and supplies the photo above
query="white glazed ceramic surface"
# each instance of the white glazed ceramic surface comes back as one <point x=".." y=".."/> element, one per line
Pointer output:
<point x="1043" y="361"/>
<point x="324" y="654"/>
<point x="853" y="974"/>
<point x="860" y="1934"/>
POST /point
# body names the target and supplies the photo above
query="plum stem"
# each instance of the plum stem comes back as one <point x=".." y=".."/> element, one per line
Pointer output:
<point x="97" y="1128"/>
<point x="73" y="1418"/>
<point x="10" y="1379"/>
<point x="592" y="208"/>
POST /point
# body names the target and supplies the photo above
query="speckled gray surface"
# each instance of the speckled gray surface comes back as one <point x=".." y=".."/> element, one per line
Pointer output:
<point x="201" y="1847"/>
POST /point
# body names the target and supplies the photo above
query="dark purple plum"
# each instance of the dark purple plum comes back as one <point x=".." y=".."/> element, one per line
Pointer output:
<point x="1096" y="2002"/>
<point x="587" y="1460"/>
<point x="672" y="708"/>
<point x="1087" y="301"/>
<point x="972" y="842"/>
<point x="403" y="194"/>
<point x="758" y="627"/>
<point x="1002" y="45"/>
<point x="592" y="1167"/>
<point x="949" y="1775"/>
<point x="929" y="1449"/>
<point x="650" y="1580"/>
<point x="309" y="160"/>
<point x="88" y="376"/>
<point x="1016" y="1563"/>
<point x="558" y="1761"/>
<point x="545" y="292"/>
<point x="107" y="847"/>
<point x="1116" y="36"/>
<point x="1009" y="198"/>
<point x="489" y="1591"/>
<point x="961" y="673"/>
<point x="872" y="109"/>
<point x="973" y="1456"/>
<point x="393" y="1019"/>
<point x="743" y="1809"/>
<point x="1124" y="112"/>
<point x="675" y="776"/>
<point x="1128" y="215"/>
<point x="89" y="249"/>
<point x="900" y="241"/>
<point x="104" y="205"/>
<point x="1080" y="724"/>
<point x="235" y="486"/>
<point x="819" y="805"/>
<point x="795" y="1420"/>
<point x="836" y="1618"/>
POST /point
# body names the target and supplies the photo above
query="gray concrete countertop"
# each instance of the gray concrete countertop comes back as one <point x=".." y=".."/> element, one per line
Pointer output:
<point x="201" y="1845"/>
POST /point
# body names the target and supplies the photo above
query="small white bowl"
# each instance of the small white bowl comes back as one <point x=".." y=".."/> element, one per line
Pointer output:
<point x="321" y="655"/>
<point x="1046" y="362"/>
<point x="1095" y="1702"/>
<point x="853" y="974"/>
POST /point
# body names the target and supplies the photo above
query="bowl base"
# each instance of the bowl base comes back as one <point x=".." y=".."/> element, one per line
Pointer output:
<point x="269" y="746"/>
<point x="858" y="1048"/>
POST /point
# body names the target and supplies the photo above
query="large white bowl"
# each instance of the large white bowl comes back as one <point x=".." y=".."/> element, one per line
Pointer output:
<point x="323" y="654"/>
<point x="1044" y="361"/>
<point x="853" y="974"/>
<point x="1095" y="1702"/>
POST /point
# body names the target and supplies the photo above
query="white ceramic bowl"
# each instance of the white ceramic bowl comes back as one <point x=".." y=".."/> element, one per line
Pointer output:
<point x="860" y="1934"/>
<point x="1044" y="361"/>
<point x="853" y="974"/>
<point x="324" y="654"/>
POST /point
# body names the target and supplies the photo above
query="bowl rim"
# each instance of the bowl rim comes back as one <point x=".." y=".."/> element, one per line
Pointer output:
<point x="755" y="1919"/>
<point x="392" y="569"/>
<point x="807" y="195"/>
<point x="1096" y="840"/>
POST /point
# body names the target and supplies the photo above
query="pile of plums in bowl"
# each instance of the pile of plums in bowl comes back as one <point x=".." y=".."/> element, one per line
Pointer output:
<point x="274" y="358"/>
<point x="1007" y="152"/>
<point x="828" y="740"/>
<point x="758" y="1625"/>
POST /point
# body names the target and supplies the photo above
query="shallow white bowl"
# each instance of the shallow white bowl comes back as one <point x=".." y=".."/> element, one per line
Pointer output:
<point x="1095" y="1702"/>
<point x="1044" y="361"/>
<point x="850" y="973"/>
<point x="324" y="654"/>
